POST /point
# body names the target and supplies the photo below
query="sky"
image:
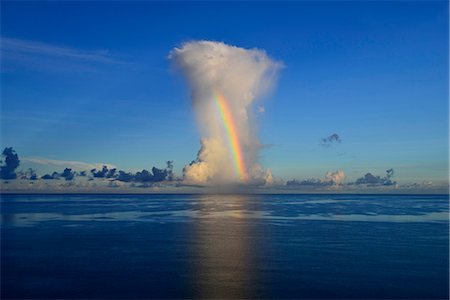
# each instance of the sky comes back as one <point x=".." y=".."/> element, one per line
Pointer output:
<point x="92" y="83"/>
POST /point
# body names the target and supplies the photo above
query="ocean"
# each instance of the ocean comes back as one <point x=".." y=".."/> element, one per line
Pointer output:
<point x="225" y="246"/>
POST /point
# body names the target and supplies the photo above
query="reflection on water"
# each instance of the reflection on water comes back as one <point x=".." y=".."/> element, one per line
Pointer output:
<point x="223" y="252"/>
<point x="28" y="211"/>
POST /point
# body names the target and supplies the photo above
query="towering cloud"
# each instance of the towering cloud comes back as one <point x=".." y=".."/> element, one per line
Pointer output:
<point x="225" y="81"/>
<point x="8" y="169"/>
<point x="337" y="177"/>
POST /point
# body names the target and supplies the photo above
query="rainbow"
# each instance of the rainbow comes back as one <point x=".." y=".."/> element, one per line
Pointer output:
<point x="233" y="138"/>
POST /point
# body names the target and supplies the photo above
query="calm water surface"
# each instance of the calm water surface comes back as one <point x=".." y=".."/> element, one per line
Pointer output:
<point x="224" y="246"/>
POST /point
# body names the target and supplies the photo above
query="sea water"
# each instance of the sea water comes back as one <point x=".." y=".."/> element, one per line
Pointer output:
<point x="224" y="246"/>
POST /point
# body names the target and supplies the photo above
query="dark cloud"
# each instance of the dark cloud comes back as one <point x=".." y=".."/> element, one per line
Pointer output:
<point x="389" y="173"/>
<point x="155" y="175"/>
<point x="104" y="173"/>
<point x="54" y="175"/>
<point x="372" y="180"/>
<point x="125" y="177"/>
<point x="330" y="140"/>
<point x="68" y="174"/>
<point x="101" y="173"/>
<point x="145" y="176"/>
<point x="112" y="173"/>
<point x="159" y="175"/>
<point x="11" y="162"/>
<point x="33" y="175"/>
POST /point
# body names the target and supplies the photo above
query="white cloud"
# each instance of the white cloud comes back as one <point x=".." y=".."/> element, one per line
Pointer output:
<point x="18" y="54"/>
<point x="237" y="77"/>
<point x="337" y="177"/>
<point x="24" y="47"/>
<point x="74" y="165"/>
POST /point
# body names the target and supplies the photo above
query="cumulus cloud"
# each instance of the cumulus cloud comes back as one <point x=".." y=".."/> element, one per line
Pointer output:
<point x="208" y="164"/>
<point x="225" y="82"/>
<point x="169" y="168"/>
<point x="68" y="174"/>
<point x="10" y="164"/>
<point x="52" y="176"/>
<point x="331" y="179"/>
<point x="32" y="174"/>
<point x="268" y="179"/>
<point x="330" y="140"/>
<point x="372" y="180"/>
<point x="337" y="177"/>
<point x="104" y="172"/>
<point x="125" y="176"/>
<point x="155" y="175"/>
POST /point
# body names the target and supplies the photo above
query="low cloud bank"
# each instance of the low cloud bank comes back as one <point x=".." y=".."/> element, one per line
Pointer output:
<point x="11" y="162"/>
<point x="106" y="179"/>
<point x="144" y="176"/>
<point x="372" y="180"/>
<point x="331" y="179"/>
<point x="336" y="179"/>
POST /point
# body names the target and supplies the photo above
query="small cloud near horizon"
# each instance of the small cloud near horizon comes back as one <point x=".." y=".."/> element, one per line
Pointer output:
<point x="330" y="140"/>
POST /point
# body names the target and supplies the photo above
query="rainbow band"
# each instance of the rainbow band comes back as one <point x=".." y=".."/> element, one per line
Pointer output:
<point x="233" y="138"/>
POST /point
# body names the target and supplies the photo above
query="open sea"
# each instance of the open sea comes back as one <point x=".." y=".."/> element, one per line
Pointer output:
<point x="224" y="246"/>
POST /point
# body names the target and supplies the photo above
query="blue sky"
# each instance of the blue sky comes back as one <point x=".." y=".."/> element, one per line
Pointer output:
<point x="91" y="82"/>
